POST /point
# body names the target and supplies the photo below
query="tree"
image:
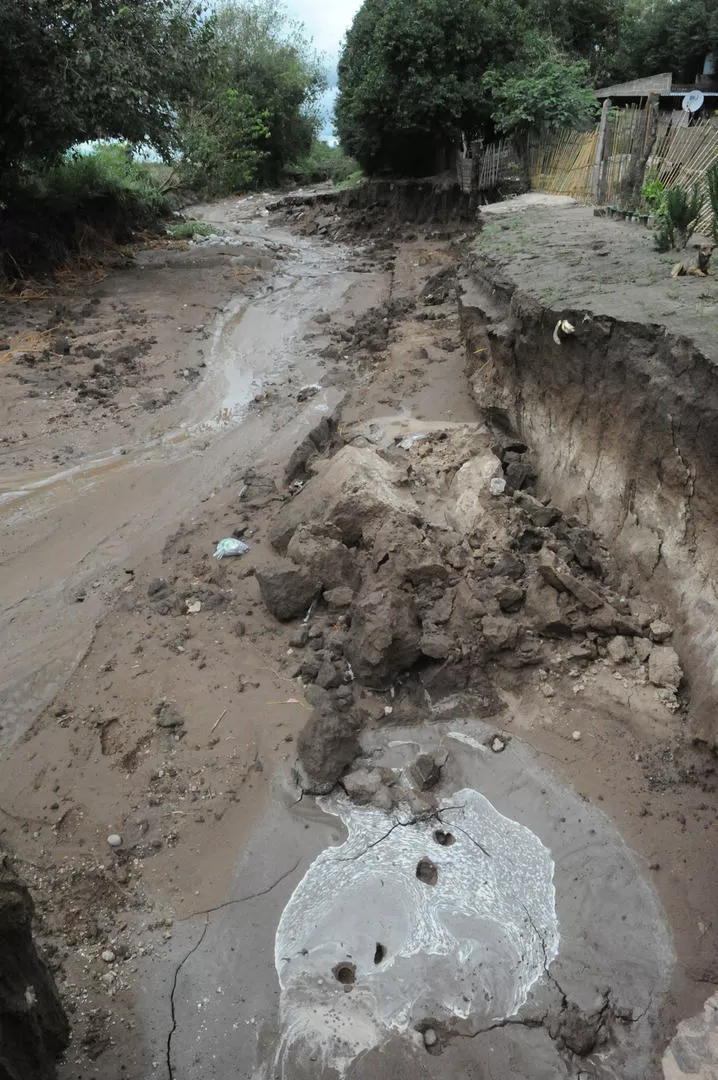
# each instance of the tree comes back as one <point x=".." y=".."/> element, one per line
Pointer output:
<point x="550" y="95"/>
<point x="254" y="112"/>
<point x="76" y="70"/>
<point x="412" y="76"/>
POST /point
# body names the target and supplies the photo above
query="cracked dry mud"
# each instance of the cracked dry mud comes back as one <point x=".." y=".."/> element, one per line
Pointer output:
<point x="449" y="625"/>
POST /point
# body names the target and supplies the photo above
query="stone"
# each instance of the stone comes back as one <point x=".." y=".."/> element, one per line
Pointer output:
<point x="619" y="650"/>
<point x="341" y="597"/>
<point x="664" y="667"/>
<point x="362" y="785"/>
<point x="576" y="736"/>
<point x="384" y="636"/>
<point x="643" y="649"/>
<point x="660" y="631"/>
<point x="326" y="745"/>
<point x="498" y="745"/>
<point x="114" y="840"/>
<point x="287" y="590"/>
<point x="425" y="772"/>
<point x="108" y="956"/>
<point x="354" y="489"/>
<point x="509" y="566"/>
<point x="470" y="490"/>
<point x="328" y="676"/>
<point x="298" y="639"/>
<point x="435" y="645"/>
<point x="35" y="1031"/>
<point x="323" y="555"/>
<point x="510" y="597"/>
<point x="430" y="1037"/>
<point x="500" y="633"/>
<point x="556" y="574"/>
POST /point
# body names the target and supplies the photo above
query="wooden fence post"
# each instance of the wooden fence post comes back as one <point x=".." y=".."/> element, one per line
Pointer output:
<point x="597" y="185"/>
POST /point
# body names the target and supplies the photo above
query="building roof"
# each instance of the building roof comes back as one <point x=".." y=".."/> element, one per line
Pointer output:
<point x="653" y="84"/>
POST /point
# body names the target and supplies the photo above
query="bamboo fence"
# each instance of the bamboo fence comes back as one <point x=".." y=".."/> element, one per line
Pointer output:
<point x="563" y="162"/>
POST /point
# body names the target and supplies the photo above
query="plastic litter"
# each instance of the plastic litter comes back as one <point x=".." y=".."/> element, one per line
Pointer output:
<point x="230" y="546"/>
<point x="498" y="485"/>
<point x="408" y="442"/>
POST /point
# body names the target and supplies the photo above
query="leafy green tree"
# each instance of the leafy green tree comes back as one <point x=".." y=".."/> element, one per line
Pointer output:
<point x="256" y="107"/>
<point x="665" y="35"/>
<point x="413" y="73"/>
<point x="76" y="70"/>
<point x="410" y="77"/>
<point x="550" y="95"/>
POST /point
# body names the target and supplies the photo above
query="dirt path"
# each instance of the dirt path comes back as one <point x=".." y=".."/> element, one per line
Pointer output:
<point x="177" y="729"/>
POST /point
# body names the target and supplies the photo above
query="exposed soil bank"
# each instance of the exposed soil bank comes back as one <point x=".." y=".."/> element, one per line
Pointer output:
<point x="623" y="414"/>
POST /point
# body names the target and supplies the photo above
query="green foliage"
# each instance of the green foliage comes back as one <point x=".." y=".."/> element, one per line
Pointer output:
<point x="416" y="74"/>
<point x="323" y="162"/>
<point x="73" y="71"/>
<point x="109" y="175"/>
<point x="665" y="235"/>
<point x="549" y="95"/>
<point x="682" y="210"/>
<point x="255" y="109"/>
<point x="185" y="230"/>
<point x="224" y="142"/>
<point x="712" y="179"/>
<point x="653" y="195"/>
<point x="665" y="35"/>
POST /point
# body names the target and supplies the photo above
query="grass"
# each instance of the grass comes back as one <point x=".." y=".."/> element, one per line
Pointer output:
<point x="185" y="230"/>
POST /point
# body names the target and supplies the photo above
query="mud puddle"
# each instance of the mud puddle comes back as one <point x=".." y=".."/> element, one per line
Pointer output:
<point x="73" y="533"/>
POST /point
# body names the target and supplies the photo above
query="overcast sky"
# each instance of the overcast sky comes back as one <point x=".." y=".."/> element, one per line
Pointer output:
<point x="326" y="22"/>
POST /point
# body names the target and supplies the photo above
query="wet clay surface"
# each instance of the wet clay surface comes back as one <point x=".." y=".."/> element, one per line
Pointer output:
<point x="179" y="728"/>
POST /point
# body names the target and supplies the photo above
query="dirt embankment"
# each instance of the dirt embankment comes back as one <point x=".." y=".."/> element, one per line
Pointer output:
<point x="622" y="412"/>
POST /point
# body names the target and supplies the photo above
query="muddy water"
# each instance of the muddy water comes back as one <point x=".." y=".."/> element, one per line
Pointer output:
<point x="70" y="537"/>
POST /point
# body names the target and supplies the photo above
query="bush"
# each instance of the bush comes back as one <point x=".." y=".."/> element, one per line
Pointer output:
<point x="323" y="162"/>
<point x="84" y="202"/>
<point x="713" y="197"/>
<point x="682" y="210"/>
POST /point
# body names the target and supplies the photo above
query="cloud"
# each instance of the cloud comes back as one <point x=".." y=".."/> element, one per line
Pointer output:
<point x="325" y="22"/>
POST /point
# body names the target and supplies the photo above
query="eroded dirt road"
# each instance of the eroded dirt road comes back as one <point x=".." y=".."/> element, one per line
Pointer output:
<point x="149" y="691"/>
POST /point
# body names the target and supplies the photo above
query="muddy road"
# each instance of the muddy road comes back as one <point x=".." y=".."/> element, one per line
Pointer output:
<point x="404" y="790"/>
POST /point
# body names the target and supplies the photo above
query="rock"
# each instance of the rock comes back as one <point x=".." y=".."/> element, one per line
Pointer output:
<point x="497" y="486"/>
<point x="35" y="1031"/>
<point x="326" y="745"/>
<point x="520" y="475"/>
<point x="509" y="566"/>
<point x="425" y="772"/>
<point x="619" y="650"/>
<point x="660" y="631"/>
<point x="556" y="574"/>
<point x="643" y="649"/>
<point x="545" y="610"/>
<point x="435" y="645"/>
<point x="498" y="745"/>
<point x="328" y="676"/>
<point x="384" y="636"/>
<point x="108" y="956"/>
<point x="510" y="597"/>
<point x="471" y="490"/>
<point x="500" y="633"/>
<point x="298" y="639"/>
<point x="664" y="668"/>
<point x="538" y="514"/>
<point x="354" y="489"/>
<point x="114" y="840"/>
<point x="318" y="549"/>
<point x="576" y="736"/>
<point x="362" y="785"/>
<point x="287" y="590"/>
<point x="430" y="1037"/>
<point x="341" y="597"/>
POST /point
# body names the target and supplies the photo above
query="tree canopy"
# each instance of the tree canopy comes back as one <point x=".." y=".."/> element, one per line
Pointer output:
<point x="415" y="75"/>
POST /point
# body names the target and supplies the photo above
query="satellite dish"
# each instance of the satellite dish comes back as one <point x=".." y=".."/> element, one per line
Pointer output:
<point x="693" y="101"/>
